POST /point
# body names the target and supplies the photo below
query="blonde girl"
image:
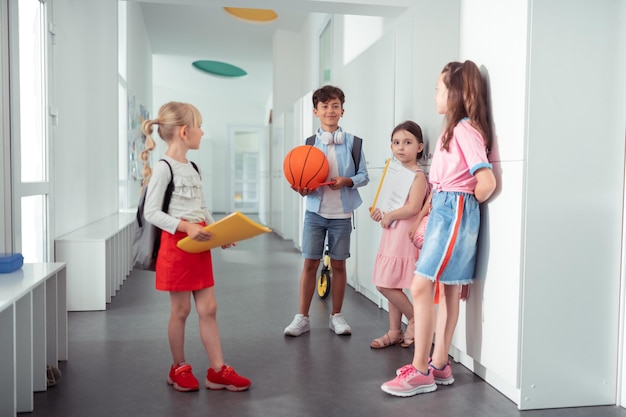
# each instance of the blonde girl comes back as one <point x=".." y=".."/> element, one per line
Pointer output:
<point x="180" y="273"/>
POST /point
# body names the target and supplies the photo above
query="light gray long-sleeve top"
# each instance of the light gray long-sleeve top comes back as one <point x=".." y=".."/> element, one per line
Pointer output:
<point x="187" y="199"/>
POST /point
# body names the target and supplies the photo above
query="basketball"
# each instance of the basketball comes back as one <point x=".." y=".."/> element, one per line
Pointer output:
<point x="305" y="166"/>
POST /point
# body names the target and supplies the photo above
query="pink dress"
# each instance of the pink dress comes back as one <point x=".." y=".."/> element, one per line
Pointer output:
<point x="396" y="257"/>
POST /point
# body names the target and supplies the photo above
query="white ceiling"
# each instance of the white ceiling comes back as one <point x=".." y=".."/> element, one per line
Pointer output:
<point x="189" y="30"/>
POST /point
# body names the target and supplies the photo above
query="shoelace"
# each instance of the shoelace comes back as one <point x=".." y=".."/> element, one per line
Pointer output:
<point x="407" y="370"/>
<point x="228" y="371"/>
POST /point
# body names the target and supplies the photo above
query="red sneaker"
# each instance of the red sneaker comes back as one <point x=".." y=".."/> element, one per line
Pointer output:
<point x="226" y="378"/>
<point x="182" y="379"/>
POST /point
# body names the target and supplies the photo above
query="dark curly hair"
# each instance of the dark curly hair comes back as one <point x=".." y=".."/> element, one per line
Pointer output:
<point x="328" y="92"/>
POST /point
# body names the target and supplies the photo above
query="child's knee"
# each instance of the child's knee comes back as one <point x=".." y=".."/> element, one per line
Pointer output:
<point x="181" y="311"/>
<point x="421" y="287"/>
<point x="338" y="266"/>
<point x="207" y="310"/>
<point x="311" y="265"/>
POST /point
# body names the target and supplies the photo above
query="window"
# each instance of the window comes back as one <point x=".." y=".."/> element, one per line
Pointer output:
<point x="32" y="92"/>
<point x="5" y="161"/>
<point x="30" y="179"/>
<point x="326" y="53"/>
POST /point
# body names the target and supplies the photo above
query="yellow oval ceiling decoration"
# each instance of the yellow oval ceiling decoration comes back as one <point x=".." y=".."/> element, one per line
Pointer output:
<point x="254" y="15"/>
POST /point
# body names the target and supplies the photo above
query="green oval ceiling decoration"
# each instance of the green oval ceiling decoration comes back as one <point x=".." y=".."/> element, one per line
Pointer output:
<point x="219" y="68"/>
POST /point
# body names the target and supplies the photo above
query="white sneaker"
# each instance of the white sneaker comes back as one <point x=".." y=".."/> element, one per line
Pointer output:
<point x="299" y="324"/>
<point x="338" y="324"/>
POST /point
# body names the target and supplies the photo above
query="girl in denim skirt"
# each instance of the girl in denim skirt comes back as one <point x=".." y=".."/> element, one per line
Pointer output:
<point x="461" y="179"/>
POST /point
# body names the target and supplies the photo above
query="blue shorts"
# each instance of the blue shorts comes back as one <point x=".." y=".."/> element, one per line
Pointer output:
<point x="314" y="235"/>
<point x="449" y="251"/>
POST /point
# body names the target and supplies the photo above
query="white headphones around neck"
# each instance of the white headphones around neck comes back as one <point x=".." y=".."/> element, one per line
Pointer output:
<point x="327" y="138"/>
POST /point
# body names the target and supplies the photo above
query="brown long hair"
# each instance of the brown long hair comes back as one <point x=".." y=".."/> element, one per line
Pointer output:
<point x="467" y="97"/>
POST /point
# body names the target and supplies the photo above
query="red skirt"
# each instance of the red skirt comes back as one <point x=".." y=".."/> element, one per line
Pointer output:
<point x="177" y="270"/>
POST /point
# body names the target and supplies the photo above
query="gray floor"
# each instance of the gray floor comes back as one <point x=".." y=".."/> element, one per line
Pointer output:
<point x="119" y="359"/>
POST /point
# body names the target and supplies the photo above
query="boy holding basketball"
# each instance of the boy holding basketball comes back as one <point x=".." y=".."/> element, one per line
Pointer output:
<point x="329" y="211"/>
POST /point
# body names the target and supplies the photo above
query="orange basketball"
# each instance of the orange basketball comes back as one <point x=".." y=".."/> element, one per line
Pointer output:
<point x="305" y="166"/>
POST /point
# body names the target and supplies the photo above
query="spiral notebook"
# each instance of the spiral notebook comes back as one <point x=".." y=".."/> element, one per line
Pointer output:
<point x="233" y="228"/>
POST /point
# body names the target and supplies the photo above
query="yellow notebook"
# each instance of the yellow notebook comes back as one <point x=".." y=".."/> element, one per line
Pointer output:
<point x="233" y="228"/>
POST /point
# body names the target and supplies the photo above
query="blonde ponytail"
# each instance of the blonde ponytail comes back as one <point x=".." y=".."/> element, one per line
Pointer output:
<point x="147" y="130"/>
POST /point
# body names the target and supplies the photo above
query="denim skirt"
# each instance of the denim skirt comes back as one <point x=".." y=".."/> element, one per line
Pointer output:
<point x="449" y="251"/>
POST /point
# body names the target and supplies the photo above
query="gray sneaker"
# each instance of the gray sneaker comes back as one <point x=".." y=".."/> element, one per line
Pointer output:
<point x="338" y="324"/>
<point x="299" y="324"/>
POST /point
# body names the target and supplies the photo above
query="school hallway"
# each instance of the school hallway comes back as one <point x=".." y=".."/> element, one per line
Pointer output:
<point x="119" y="358"/>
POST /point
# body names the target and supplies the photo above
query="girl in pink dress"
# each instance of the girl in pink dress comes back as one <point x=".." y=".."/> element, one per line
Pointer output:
<point x="396" y="258"/>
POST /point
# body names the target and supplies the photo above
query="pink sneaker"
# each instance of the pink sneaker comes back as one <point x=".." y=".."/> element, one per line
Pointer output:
<point x="403" y="368"/>
<point x="410" y="382"/>
<point x="442" y="376"/>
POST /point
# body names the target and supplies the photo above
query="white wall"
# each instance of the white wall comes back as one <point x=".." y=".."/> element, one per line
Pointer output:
<point x="289" y="62"/>
<point x="139" y="72"/>
<point x="85" y="91"/>
<point x="85" y="94"/>
<point x="139" y="55"/>
<point x="574" y="213"/>
<point x="621" y="86"/>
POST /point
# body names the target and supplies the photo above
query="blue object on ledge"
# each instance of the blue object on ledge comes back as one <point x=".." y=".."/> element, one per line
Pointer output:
<point x="10" y="262"/>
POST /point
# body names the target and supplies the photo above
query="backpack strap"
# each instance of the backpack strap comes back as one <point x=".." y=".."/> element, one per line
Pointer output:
<point x="357" y="144"/>
<point x="169" y="190"/>
<point x="196" y="168"/>
<point x="170" y="186"/>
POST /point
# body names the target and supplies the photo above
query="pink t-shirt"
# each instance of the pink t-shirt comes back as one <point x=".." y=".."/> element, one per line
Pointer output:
<point x="453" y="170"/>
